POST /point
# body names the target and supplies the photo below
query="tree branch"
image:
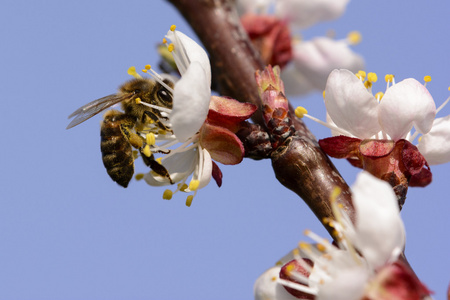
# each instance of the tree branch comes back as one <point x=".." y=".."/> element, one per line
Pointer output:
<point x="299" y="164"/>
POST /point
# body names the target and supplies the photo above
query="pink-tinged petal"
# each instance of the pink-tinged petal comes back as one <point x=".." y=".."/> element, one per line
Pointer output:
<point x="340" y="146"/>
<point x="404" y="105"/>
<point x="223" y="145"/>
<point x="217" y="174"/>
<point x="229" y="113"/>
<point x="304" y="13"/>
<point x="380" y="234"/>
<point x="376" y="148"/>
<point x="190" y="102"/>
<point x="396" y="282"/>
<point x="435" y="145"/>
<point x="350" y="105"/>
<point x="205" y="173"/>
<point x="269" y="77"/>
<point x="193" y="51"/>
<point x="267" y="288"/>
<point x="294" y="266"/>
<point x="270" y="36"/>
<point x="316" y="59"/>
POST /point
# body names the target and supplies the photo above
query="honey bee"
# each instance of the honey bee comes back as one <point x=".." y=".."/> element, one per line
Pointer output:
<point x="119" y="129"/>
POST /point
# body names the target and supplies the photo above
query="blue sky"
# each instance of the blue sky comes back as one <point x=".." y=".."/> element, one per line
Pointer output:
<point x="68" y="232"/>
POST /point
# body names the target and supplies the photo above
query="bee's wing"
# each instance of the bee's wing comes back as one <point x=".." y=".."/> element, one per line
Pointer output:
<point x="92" y="108"/>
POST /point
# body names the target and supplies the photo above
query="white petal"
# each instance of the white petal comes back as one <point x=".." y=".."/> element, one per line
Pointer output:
<point x="191" y="97"/>
<point x="435" y="145"/>
<point x="266" y="288"/>
<point x="379" y="229"/>
<point x="315" y="60"/>
<point x="179" y="166"/>
<point x="252" y="6"/>
<point x="404" y="105"/>
<point x="304" y="13"/>
<point x="206" y="173"/>
<point x="350" y="105"/>
<point x="194" y="52"/>
<point x="348" y="285"/>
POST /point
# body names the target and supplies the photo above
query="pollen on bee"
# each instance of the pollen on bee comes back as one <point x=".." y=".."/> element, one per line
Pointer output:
<point x="189" y="200"/>
<point x="150" y="138"/>
<point x="147" y="151"/>
<point x="139" y="176"/>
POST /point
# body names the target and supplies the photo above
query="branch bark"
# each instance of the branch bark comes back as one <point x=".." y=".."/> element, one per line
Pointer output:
<point x="299" y="164"/>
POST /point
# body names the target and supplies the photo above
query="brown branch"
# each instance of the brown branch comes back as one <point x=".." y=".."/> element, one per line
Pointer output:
<point x="299" y="164"/>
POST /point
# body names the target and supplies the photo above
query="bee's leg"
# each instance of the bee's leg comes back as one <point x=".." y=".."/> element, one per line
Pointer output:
<point x="157" y="119"/>
<point x="156" y="166"/>
<point x="135" y="139"/>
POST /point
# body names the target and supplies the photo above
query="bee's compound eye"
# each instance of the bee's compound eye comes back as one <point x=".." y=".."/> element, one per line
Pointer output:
<point x="164" y="95"/>
<point x="137" y="91"/>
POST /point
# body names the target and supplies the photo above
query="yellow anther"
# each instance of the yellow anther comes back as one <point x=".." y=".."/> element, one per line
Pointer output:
<point x="138" y="100"/>
<point x="194" y="184"/>
<point x="379" y="96"/>
<point x="296" y="252"/>
<point x="167" y="195"/>
<point x="274" y="278"/>
<point x="279" y="263"/>
<point x="354" y="37"/>
<point x="189" y="200"/>
<point x="389" y="78"/>
<point x="289" y="269"/>
<point x="361" y="75"/>
<point x="173" y="27"/>
<point x="335" y="193"/>
<point x="147" y="151"/>
<point x="449" y="88"/>
<point x="139" y="176"/>
<point x="132" y="71"/>
<point x="147" y="67"/>
<point x="372" y="77"/>
<point x="306" y="232"/>
<point x="419" y="139"/>
<point x="184" y="187"/>
<point x="150" y="138"/>
<point x="323" y="94"/>
<point x="164" y="41"/>
<point x="300" y="112"/>
<point x="427" y="78"/>
<point x="170" y="47"/>
<point x="144" y="70"/>
<point x="304" y="246"/>
<point x="368" y="84"/>
<point x="321" y="247"/>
